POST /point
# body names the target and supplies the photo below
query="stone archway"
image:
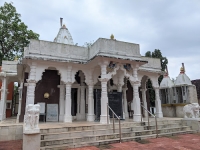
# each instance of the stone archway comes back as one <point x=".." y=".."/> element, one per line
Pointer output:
<point x="47" y="91"/>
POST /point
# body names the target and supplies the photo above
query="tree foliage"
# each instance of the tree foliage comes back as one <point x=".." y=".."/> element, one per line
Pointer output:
<point x="14" y="34"/>
<point x="164" y="61"/>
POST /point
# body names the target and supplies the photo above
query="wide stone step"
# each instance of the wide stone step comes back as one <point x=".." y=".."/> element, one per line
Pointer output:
<point x="86" y="128"/>
<point x="87" y="138"/>
<point x="82" y="133"/>
<point x="102" y="131"/>
<point x="160" y="126"/>
<point x="152" y="122"/>
<point x="108" y="141"/>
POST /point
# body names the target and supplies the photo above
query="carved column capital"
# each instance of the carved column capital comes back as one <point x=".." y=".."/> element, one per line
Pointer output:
<point x="104" y="79"/>
<point x="68" y="83"/>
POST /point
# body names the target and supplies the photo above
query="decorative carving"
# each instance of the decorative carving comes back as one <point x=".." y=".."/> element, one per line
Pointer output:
<point x="127" y="67"/>
<point x="191" y="110"/>
<point x="104" y="79"/>
<point x="31" y="118"/>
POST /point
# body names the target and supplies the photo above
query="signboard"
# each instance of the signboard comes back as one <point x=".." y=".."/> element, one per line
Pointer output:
<point x="42" y="108"/>
<point x="115" y="102"/>
<point x="52" y="112"/>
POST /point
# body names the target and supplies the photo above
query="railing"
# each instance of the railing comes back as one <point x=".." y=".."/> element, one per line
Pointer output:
<point x="148" y="119"/>
<point x="113" y="114"/>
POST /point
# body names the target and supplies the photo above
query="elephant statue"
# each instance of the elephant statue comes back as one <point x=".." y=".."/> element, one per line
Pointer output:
<point x="191" y="110"/>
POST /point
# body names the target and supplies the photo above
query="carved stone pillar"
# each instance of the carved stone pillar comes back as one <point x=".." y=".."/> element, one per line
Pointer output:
<point x="136" y="103"/>
<point x="30" y="98"/>
<point x="90" y="115"/>
<point x="67" y="115"/>
<point x="159" y="113"/>
<point x="31" y="83"/>
<point x="20" y="89"/>
<point x="62" y="102"/>
<point x="81" y="116"/>
<point x="125" y="103"/>
<point x="104" y="93"/>
<point x="3" y="98"/>
<point x="144" y="101"/>
<point x="104" y="101"/>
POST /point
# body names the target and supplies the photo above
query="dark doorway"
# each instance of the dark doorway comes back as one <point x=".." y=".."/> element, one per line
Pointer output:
<point x="48" y="84"/>
<point x="74" y="101"/>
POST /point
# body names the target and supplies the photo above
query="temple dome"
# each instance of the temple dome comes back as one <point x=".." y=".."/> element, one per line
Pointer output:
<point x="166" y="83"/>
<point x="182" y="78"/>
<point x="64" y="36"/>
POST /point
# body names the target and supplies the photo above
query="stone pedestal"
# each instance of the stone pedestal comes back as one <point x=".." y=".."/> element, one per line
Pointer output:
<point x="31" y="141"/>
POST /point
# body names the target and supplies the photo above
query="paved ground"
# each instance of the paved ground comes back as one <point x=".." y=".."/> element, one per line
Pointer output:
<point x="180" y="142"/>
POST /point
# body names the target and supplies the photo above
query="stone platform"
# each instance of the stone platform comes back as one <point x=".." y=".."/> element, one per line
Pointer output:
<point x="58" y="135"/>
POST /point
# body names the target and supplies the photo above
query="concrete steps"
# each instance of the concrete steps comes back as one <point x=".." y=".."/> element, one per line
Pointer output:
<point x="79" y="136"/>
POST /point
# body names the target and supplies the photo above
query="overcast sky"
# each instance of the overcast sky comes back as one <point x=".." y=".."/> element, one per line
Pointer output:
<point x="173" y="26"/>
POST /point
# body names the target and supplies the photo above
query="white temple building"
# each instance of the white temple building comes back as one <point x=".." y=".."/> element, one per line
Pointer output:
<point x="76" y="83"/>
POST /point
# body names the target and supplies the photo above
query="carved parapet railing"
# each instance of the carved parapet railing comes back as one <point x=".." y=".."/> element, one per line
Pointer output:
<point x="115" y="48"/>
<point x="52" y="50"/>
<point x="153" y="63"/>
<point x="9" y="66"/>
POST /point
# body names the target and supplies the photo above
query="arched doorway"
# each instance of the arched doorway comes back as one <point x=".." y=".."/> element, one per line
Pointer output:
<point x="47" y="93"/>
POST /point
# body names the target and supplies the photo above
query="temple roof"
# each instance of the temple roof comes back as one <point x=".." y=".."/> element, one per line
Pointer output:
<point x="182" y="78"/>
<point x="166" y="83"/>
<point x="64" y="36"/>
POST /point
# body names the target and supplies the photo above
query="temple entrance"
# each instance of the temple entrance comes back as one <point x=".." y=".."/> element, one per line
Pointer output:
<point x="47" y="93"/>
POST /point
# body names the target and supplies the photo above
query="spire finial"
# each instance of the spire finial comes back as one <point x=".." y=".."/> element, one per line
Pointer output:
<point x="61" y="19"/>
<point x="112" y="37"/>
<point x="182" y="70"/>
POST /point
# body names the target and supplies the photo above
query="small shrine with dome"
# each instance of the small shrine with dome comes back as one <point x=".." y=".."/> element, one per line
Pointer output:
<point x="175" y="95"/>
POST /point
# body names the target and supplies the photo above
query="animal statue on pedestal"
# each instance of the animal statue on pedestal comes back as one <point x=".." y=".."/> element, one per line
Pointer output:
<point x="191" y="110"/>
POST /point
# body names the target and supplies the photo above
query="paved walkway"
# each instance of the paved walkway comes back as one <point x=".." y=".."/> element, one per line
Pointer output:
<point x="180" y="142"/>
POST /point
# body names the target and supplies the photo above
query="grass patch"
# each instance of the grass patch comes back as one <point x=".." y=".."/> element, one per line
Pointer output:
<point x="102" y="147"/>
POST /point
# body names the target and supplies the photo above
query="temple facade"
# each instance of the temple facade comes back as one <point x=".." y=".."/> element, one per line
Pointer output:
<point x="77" y="83"/>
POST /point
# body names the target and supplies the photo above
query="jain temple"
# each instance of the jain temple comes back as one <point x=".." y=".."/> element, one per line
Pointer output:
<point x="71" y="83"/>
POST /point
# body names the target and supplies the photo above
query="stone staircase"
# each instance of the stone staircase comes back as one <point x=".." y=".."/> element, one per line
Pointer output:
<point x="91" y="135"/>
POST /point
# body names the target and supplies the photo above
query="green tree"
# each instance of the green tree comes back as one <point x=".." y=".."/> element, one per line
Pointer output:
<point x="164" y="61"/>
<point x="14" y="34"/>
